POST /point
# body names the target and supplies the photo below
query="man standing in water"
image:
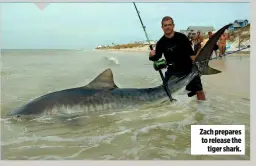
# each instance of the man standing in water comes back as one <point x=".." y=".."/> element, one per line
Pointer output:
<point x="177" y="51"/>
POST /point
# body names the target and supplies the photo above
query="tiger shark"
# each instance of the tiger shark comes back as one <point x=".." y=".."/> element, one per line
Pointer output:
<point x="102" y="94"/>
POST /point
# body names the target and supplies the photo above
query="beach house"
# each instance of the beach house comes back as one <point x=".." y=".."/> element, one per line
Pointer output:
<point x="238" y="24"/>
<point x="194" y="29"/>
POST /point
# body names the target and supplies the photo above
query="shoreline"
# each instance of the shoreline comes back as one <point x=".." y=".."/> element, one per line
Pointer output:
<point x="146" y="49"/>
<point x="239" y="38"/>
<point x="134" y="49"/>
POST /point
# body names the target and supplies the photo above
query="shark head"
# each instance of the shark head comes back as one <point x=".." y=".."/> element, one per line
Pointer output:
<point x="103" y="81"/>
<point x="15" y="112"/>
<point x="23" y="112"/>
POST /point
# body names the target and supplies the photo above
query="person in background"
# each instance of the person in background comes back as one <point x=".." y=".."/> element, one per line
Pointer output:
<point x="198" y="42"/>
<point x="222" y="44"/>
<point x="215" y="48"/>
<point x="191" y="40"/>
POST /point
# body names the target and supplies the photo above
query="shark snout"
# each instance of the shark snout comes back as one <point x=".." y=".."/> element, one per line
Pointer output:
<point x="16" y="112"/>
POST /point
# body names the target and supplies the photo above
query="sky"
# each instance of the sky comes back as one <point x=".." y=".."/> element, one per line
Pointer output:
<point x="87" y="25"/>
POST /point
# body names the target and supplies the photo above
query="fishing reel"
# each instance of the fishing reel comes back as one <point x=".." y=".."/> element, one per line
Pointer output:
<point x="159" y="65"/>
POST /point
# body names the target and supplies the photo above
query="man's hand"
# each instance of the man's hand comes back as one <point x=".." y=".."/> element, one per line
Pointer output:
<point x="152" y="53"/>
<point x="193" y="57"/>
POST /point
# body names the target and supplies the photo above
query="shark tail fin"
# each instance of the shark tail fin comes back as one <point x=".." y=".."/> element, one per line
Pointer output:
<point x="209" y="71"/>
<point x="205" y="69"/>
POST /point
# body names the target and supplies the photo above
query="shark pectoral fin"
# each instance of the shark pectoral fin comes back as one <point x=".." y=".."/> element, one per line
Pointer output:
<point x="103" y="81"/>
<point x="209" y="71"/>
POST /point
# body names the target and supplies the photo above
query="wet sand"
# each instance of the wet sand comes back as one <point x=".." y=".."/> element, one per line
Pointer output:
<point x="235" y="76"/>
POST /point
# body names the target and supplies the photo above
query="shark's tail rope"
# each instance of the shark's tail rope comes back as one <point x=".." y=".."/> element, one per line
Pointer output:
<point x="231" y="52"/>
<point x="151" y="48"/>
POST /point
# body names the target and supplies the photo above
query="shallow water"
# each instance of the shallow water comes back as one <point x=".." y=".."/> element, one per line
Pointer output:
<point x="157" y="131"/>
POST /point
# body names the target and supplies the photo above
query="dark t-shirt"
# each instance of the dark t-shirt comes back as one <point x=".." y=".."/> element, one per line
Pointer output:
<point x="177" y="51"/>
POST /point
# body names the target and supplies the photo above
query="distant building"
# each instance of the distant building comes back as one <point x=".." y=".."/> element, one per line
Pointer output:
<point x="98" y="47"/>
<point x="238" y="24"/>
<point x="151" y="42"/>
<point x="202" y="29"/>
<point x="194" y="29"/>
<point x="184" y="32"/>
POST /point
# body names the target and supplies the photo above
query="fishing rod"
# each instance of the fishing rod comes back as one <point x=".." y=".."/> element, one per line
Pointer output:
<point x="159" y="64"/>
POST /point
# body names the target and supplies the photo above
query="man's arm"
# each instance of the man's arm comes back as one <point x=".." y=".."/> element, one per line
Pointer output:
<point x="157" y="54"/>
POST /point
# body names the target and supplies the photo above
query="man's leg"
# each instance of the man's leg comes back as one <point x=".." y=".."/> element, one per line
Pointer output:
<point x="224" y="48"/>
<point x="216" y="54"/>
<point x="196" y="87"/>
<point x="200" y="95"/>
<point x="221" y="50"/>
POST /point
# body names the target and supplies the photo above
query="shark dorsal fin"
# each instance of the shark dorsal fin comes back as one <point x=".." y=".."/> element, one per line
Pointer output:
<point x="103" y="81"/>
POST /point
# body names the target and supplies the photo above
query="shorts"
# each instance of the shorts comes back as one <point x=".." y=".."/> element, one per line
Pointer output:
<point x="195" y="84"/>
